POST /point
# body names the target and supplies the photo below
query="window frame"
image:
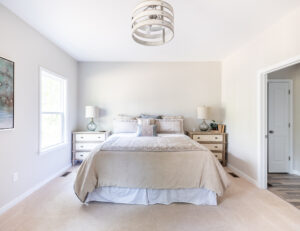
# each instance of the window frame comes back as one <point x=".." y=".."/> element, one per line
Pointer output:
<point x="64" y="114"/>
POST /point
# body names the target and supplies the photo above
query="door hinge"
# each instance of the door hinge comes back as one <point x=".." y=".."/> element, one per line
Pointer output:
<point x="289" y="158"/>
<point x="289" y="92"/>
<point x="289" y="125"/>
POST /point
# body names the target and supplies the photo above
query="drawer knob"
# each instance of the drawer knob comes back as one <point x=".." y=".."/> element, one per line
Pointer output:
<point x="81" y="137"/>
<point x="216" y="146"/>
<point x="216" y="137"/>
<point x="81" y="155"/>
<point x="81" y="146"/>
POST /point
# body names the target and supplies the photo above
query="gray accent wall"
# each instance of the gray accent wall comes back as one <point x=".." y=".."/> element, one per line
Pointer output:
<point x="156" y="88"/>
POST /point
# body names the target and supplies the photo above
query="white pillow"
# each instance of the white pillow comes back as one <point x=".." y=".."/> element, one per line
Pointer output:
<point x="170" y="126"/>
<point x="127" y="117"/>
<point x="125" y="125"/>
<point x="172" y="117"/>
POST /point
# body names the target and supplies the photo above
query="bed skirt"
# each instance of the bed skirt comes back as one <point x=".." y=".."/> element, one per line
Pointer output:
<point x="197" y="196"/>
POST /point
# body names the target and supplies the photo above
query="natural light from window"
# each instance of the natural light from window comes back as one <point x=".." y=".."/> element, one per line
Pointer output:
<point x="52" y="110"/>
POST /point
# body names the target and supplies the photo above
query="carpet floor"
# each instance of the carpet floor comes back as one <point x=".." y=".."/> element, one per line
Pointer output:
<point x="243" y="207"/>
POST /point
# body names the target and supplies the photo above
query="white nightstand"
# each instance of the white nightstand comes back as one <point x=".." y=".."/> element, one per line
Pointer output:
<point x="85" y="142"/>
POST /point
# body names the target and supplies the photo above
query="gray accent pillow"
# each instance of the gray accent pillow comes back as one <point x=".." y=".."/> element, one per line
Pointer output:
<point x="144" y="116"/>
<point x="146" y="130"/>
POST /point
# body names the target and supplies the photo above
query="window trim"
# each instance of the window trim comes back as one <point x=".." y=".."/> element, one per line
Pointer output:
<point x="63" y="144"/>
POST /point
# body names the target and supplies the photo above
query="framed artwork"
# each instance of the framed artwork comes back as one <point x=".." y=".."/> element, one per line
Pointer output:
<point x="6" y="94"/>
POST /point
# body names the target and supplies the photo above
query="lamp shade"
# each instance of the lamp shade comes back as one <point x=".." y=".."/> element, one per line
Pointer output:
<point x="202" y="112"/>
<point x="91" y="112"/>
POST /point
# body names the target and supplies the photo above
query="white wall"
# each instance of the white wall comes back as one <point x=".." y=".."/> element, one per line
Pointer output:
<point x="293" y="73"/>
<point x="240" y="87"/>
<point x="156" y="88"/>
<point x="19" y="147"/>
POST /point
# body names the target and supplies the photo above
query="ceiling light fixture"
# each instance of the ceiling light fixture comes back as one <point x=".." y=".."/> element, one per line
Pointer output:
<point x="153" y="23"/>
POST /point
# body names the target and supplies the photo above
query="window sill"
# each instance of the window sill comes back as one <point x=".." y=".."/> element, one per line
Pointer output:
<point x="52" y="149"/>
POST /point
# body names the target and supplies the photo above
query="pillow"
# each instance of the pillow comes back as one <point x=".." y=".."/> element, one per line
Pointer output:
<point x="144" y="116"/>
<point x="128" y="117"/>
<point x="142" y="121"/>
<point x="147" y="130"/>
<point x="172" y="117"/>
<point x="170" y="126"/>
<point x="125" y="125"/>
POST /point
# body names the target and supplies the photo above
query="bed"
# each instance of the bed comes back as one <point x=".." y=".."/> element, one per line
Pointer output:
<point x="163" y="169"/>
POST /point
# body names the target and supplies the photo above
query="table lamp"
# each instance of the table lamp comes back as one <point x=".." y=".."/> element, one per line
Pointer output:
<point x="202" y="114"/>
<point x="91" y="112"/>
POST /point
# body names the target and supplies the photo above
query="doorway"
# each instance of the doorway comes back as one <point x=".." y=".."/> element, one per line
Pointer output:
<point x="262" y="121"/>
<point x="281" y="129"/>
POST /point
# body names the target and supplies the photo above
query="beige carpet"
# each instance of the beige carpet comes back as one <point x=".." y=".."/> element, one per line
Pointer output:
<point x="244" y="207"/>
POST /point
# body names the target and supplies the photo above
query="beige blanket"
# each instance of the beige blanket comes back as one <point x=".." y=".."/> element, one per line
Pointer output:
<point x="164" y="162"/>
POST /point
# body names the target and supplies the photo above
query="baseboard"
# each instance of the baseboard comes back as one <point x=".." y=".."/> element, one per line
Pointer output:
<point x="295" y="172"/>
<point x="18" y="199"/>
<point x="242" y="174"/>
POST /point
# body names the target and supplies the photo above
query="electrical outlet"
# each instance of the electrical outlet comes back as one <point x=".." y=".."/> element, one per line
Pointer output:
<point x="15" y="176"/>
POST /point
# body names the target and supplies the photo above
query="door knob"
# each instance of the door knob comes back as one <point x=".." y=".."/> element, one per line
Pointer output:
<point x="271" y="132"/>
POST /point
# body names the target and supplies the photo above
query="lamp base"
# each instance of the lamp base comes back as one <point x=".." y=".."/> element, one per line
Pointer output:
<point x="204" y="126"/>
<point x="92" y="126"/>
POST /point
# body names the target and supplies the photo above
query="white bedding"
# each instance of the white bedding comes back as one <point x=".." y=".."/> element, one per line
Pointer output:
<point x="165" y="143"/>
<point x="197" y="196"/>
<point x="147" y="196"/>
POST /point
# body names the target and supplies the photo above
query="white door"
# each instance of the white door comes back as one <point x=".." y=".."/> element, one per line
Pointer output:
<point x="279" y="126"/>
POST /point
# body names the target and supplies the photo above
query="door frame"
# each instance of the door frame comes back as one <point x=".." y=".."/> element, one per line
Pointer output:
<point x="291" y="110"/>
<point x="262" y="118"/>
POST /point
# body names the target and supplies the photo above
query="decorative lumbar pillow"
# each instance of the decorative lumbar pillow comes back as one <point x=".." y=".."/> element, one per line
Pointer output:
<point x="144" y="116"/>
<point x="142" y="121"/>
<point x="125" y="125"/>
<point x="170" y="126"/>
<point x="147" y="130"/>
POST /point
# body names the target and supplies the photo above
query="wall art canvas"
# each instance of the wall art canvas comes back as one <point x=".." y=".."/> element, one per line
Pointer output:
<point x="6" y="94"/>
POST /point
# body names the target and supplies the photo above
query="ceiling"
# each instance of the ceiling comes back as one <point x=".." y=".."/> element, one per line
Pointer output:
<point x="99" y="30"/>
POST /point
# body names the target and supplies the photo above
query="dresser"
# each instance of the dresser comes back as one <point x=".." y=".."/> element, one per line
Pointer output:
<point x="85" y="142"/>
<point x="215" y="141"/>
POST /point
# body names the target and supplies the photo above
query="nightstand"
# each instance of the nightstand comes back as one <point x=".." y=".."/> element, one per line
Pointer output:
<point x="215" y="141"/>
<point x="85" y="142"/>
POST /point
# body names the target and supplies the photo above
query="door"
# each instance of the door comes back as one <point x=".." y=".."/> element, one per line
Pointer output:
<point x="279" y="126"/>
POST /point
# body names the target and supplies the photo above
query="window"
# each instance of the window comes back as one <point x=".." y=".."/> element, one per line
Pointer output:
<point x="52" y="110"/>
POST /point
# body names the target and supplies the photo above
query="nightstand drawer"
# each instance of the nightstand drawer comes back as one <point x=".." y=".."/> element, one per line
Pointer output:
<point x="85" y="146"/>
<point x="81" y="155"/>
<point x="90" y="137"/>
<point x="214" y="147"/>
<point x="208" y="138"/>
<point x="218" y="155"/>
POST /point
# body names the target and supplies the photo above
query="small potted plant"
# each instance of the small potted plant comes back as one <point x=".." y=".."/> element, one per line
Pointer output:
<point x="213" y="125"/>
